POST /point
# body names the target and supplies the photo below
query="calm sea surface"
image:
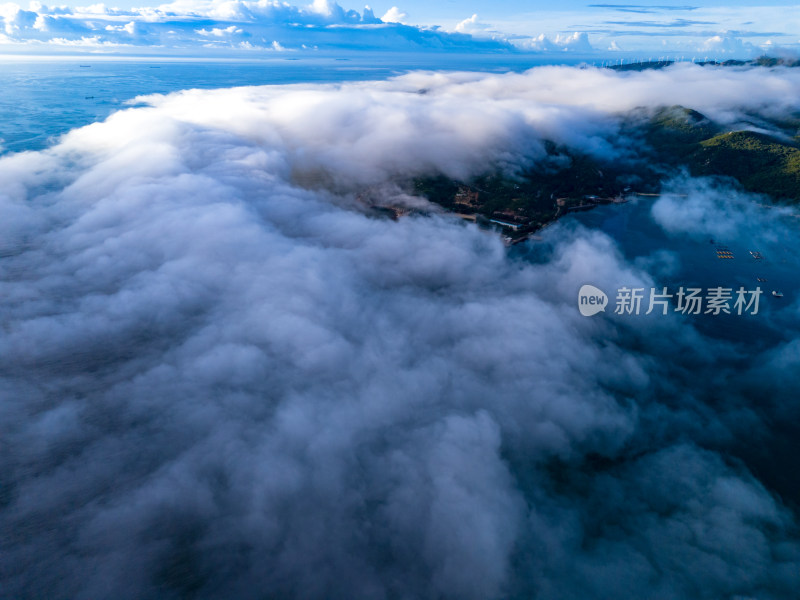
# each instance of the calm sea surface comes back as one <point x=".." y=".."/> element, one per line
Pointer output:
<point x="43" y="99"/>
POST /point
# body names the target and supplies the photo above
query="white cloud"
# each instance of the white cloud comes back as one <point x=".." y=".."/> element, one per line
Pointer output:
<point x="323" y="7"/>
<point x="576" y="42"/>
<point x="84" y="42"/>
<point x="93" y="9"/>
<point x="703" y="209"/>
<point x="129" y="28"/>
<point x="328" y="25"/>
<point x="725" y="44"/>
<point x="394" y="15"/>
<point x="223" y="377"/>
<point x="472" y="25"/>
<point x="217" y="32"/>
<point x="681" y="31"/>
<point x="174" y="27"/>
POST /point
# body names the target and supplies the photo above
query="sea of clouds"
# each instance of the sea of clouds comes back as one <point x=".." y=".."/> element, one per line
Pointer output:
<point x="221" y="377"/>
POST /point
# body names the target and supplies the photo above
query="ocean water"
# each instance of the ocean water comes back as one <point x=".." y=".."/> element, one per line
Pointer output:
<point x="43" y="99"/>
<point x="682" y="260"/>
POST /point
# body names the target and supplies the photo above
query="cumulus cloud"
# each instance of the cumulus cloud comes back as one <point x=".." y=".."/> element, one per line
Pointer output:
<point x="223" y="376"/>
<point x="726" y="44"/>
<point x="575" y="42"/>
<point x="331" y="27"/>
<point x="323" y="25"/>
<point x="394" y="15"/>
<point x="472" y="25"/>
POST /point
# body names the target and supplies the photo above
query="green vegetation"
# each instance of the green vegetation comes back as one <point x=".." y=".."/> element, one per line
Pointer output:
<point x="672" y="129"/>
<point x="766" y="164"/>
<point x="768" y="61"/>
<point x="528" y="199"/>
<point x="760" y="163"/>
<point x="641" y="66"/>
<point x="762" y="61"/>
<point x="672" y="139"/>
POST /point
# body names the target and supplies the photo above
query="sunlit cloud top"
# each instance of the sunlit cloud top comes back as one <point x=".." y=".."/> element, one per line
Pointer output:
<point x="235" y="27"/>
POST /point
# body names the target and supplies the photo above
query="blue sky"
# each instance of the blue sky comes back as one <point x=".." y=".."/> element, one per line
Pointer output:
<point x="602" y="30"/>
<point x="432" y="11"/>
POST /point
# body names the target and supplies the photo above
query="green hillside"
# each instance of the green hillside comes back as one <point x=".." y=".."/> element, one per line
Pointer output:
<point x="760" y="163"/>
<point x="681" y="137"/>
<point x="672" y="139"/>
<point x="672" y="129"/>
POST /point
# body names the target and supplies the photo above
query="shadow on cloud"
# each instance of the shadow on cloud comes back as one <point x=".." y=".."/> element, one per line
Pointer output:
<point x="221" y="380"/>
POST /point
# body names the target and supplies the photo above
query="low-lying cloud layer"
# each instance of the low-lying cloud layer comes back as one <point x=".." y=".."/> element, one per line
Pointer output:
<point x="222" y="378"/>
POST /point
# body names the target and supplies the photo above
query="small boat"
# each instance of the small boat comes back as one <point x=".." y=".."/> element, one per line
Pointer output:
<point x="756" y="255"/>
<point x="761" y="279"/>
<point x="777" y="294"/>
